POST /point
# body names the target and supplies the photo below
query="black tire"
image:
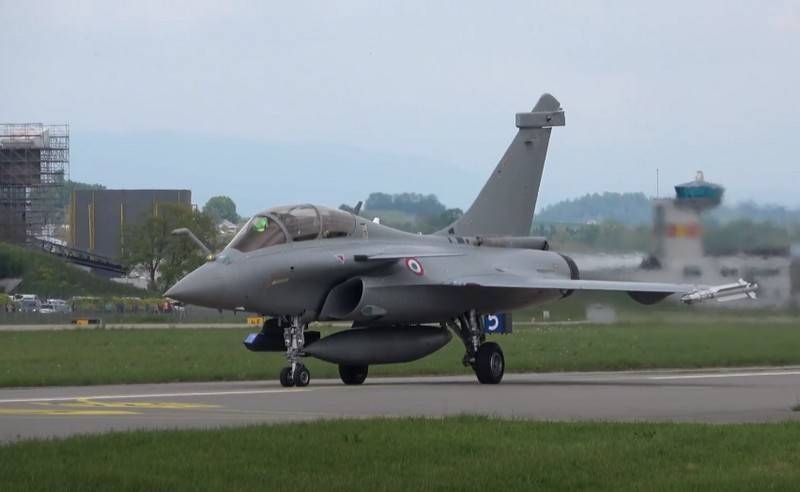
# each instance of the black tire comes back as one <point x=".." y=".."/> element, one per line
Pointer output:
<point x="353" y="375"/>
<point x="286" y="377"/>
<point x="490" y="364"/>
<point x="301" y="376"/>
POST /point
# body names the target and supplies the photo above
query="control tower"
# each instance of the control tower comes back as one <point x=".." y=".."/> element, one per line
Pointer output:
<point x="678" y="229"/>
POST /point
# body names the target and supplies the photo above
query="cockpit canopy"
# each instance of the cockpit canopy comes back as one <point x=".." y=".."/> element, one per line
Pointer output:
<point x="292" y="223"/>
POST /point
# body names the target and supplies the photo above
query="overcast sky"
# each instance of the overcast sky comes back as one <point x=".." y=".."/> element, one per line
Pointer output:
<point x="678" y="86"/>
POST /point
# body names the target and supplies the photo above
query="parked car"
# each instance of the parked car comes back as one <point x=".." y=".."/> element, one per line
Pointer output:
<point x="59" y="305"/>
<point x="29" y="305"/>
<point x="47" y="308"/>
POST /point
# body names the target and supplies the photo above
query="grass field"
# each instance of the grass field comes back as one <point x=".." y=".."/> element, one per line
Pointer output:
<point x="97" y="356"/>
<point x="462" y="453"/>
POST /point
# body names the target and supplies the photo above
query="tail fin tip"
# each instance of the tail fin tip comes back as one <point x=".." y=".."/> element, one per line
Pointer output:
<point x="547" y="103"/>
<point x="546" y="113"/>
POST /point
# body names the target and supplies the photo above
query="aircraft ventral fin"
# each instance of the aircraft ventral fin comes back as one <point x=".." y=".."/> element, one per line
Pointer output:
<point x="400" y="256"/>
<point x="644" y="292"/>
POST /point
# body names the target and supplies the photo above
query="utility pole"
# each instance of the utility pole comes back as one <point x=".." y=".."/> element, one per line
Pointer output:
<point x="658" y="191"/>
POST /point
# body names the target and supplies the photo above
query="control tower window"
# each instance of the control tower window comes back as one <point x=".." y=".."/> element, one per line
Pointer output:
<point x="260" y="232"/>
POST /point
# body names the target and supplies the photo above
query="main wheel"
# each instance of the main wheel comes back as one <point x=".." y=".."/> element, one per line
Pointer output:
<point x="301" y="376"/>
<point x="489" y="363"/>
<point x="286" y="377"/>
<point x="353" y="374"/>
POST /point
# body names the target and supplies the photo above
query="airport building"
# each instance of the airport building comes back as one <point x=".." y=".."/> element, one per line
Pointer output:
<point x="97" y="218"/>
<point x="34" y="162"/>
<point x="679" y="256"/>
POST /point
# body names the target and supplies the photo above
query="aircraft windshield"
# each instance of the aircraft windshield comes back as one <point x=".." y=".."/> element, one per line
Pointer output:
<point x="299" y="222"/>
<point x="259" y="232"/>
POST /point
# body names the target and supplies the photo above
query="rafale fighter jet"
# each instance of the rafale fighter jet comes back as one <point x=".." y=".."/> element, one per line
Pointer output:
<point x="404" y="293"/>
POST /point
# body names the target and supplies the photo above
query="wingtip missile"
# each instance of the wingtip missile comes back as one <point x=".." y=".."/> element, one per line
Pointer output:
<point x="723" y="293"/>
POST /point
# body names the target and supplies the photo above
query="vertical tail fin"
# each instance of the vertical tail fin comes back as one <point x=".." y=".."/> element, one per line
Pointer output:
<point x="505" y="205"/>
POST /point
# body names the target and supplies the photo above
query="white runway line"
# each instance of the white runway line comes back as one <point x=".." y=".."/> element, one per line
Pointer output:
<point x="728" y="375"/>
<point x="154" y="395"/>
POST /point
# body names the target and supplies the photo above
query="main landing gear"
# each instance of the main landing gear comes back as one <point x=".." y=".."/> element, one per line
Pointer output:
<point x="296" y="374"/>
<point x="485" y="358"/>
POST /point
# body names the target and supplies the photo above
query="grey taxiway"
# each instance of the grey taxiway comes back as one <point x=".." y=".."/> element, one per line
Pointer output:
<point x="718" y="396"/>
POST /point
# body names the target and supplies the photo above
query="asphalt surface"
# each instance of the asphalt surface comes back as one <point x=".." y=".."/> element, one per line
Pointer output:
<point x="720" y="396"/>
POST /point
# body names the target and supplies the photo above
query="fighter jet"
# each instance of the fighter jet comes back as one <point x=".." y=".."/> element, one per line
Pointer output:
<point x="404" y="294"/>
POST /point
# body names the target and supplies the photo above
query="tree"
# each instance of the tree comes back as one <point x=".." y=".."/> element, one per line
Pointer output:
<point x="221" y="208"/>
<point x="626" y="208"/>
<point x="748" y="237"/>
<point x="410" y="203"/>
<point x="163" y="256"/>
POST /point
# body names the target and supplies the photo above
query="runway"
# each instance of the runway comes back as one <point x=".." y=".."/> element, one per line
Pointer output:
<point x="719" y="396"/>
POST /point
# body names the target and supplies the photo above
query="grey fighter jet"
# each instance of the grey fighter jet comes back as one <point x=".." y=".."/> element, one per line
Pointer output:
<point x="405" y="293"/>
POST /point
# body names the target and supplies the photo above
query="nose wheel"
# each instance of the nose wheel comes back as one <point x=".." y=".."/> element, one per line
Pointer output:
<point x="300" y="377"/>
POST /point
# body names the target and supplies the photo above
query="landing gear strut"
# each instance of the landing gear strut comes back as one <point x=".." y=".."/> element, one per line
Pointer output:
<point x="485" y="358"/>
<point x="296" y="374"/>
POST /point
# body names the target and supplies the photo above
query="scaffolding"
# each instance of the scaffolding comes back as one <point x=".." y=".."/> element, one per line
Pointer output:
<point x="34" y="163"/>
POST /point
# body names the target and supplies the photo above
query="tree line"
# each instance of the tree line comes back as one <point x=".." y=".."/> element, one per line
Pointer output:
<point x="633" y="209"/>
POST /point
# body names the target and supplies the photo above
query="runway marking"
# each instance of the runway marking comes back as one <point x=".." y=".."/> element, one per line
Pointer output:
<point x="156" y="395"/>
<point x="54" y="411"/>
<point x="728" y="375"/>
<point x="85" y="402"/>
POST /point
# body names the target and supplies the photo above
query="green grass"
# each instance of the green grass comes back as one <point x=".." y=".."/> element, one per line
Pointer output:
<point x="48" y="276"/>
<point x="97" y="356"/>
<point x="462" y="453"/>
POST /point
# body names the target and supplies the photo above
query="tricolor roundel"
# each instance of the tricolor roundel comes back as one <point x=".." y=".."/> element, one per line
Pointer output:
<point x="415" y="266"/>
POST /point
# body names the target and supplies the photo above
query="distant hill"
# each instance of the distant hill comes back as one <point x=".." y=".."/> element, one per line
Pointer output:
<point x="625" y="208"/>
<point x="48" y="276"/>
<point x="256" y="174"/>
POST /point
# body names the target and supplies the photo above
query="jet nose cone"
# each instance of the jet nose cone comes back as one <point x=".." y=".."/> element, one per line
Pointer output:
<point x="177" y="291"/>
<point x="201" y="287"/>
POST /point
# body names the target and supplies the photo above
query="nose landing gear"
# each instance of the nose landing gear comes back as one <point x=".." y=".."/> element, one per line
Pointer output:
<point x="296" y="374"/>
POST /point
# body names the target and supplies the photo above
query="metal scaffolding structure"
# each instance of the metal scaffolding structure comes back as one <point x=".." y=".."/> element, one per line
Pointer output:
<point x="34" y="163"/>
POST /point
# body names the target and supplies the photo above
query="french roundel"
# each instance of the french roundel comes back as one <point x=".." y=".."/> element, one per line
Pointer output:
<point x="415" y="266"/>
